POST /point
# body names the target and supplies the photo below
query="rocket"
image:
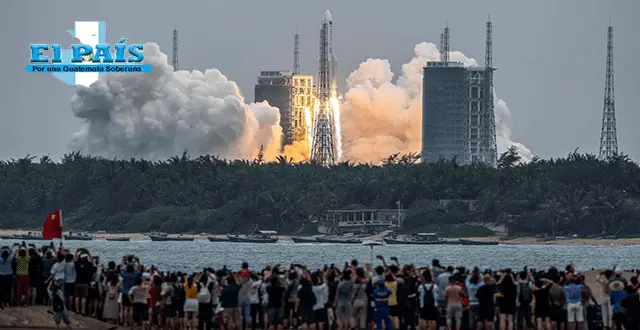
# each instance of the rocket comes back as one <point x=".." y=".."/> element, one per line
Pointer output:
<point x="333" y="60"/>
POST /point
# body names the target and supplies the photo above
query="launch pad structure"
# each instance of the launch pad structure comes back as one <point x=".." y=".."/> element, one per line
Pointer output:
<point x="323" y="148"/>
<point x="458" y="119"/>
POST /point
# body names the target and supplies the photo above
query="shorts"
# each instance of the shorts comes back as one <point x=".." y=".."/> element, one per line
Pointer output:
<point x="486" y="314"/>
<point x="126" y="302"/>
<point x="140" y="312"/>
<point x="320" y="315"/>
<point x="82" y="290"/>
<point x="558" y="314"/>
<point x="232" y="315"/>
<point x="305" y="315"/>
<point x="542" y="312"/>
<point x="575" y="313"/>
<point x="69" y="289"/>
<point x="454" y="311"/>
<point x="429" y="313"/>
<point x="190" y="306"/>
<point x="94" y="293"/>
<point x="508" y="308"/>
<point x="275" y="316"/>
<point x="290" y="310"/>
<point x="168" y="311"/>
<point x="344" y="311"/>
<point x="395" y="311"/>
<point x="34" y="281"/>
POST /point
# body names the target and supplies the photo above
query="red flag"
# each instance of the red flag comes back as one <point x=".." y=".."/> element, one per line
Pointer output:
<point x="52" y="227"/>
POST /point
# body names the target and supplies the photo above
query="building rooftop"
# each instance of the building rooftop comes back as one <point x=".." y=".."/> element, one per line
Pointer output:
<point x="445" y="64"/>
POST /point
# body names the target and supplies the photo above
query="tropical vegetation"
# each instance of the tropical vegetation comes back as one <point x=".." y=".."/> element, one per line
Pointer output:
<point x="579" y="194"/>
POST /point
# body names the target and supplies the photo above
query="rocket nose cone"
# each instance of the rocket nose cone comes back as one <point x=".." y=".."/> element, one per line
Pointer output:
<point x="327" y="17"/>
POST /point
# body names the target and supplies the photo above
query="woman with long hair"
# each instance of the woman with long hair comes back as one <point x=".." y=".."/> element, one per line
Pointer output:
<point x="509" y="292"/>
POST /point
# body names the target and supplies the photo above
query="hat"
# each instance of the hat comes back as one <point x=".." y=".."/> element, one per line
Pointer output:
<point x="618" y="271"/>
<point x="146" y="276"/>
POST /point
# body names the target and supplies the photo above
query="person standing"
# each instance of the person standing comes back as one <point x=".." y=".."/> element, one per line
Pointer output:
<point x="22" y="277"/>
<point x="381" y="295"/>
<point x="575" y="313"/>
<point x="6" y="276"/>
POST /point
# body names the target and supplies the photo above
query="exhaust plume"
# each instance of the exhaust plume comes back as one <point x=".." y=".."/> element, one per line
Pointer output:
<point x="380" y="118"/>
<point x="159" y="114"/>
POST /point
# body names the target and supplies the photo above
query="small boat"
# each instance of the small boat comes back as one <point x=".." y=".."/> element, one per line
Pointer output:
<point x="161" y="237"/>
<point x="304" y="239"/>
<point x="28" y="237"/>
<point x="78" y="237"/>
<point x="260" y="236"/>
<point x="7" y="237"/>
<point x="339" y="240"/>
<point x="218" y="239"/>
<point x="417" y="239"/>
<point x="119" y="239"/>
<point x="470" y="242"/>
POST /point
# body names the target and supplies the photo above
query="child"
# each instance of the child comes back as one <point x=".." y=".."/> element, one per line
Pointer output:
<point x="381" y="313"/>
<point x="60" y="313"/>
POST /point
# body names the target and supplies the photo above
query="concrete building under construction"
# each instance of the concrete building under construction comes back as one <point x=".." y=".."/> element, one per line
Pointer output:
<point x="458" y="120"/>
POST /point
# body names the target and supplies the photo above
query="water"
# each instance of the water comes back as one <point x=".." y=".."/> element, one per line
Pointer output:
<point x="193" y="256"/>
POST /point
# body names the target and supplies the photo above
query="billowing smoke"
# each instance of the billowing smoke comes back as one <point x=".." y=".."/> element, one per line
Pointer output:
<point x="380" y="118"/>
<point x="159" y="114"/>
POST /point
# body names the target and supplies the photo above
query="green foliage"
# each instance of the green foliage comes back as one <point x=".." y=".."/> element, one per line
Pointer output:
<point x="577" y="194"/>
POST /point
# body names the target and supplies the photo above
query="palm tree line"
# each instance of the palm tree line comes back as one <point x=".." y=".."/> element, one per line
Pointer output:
<point x="578" y="194"/>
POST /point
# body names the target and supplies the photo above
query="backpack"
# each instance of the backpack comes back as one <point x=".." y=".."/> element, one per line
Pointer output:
<point x="58" y="303"/>
<point x="427" y="299"/>
<point x="307" y="292"/>
<point x="526" y="295"/>
<point x="178" y="296"/>
<point x="204" y="296"/>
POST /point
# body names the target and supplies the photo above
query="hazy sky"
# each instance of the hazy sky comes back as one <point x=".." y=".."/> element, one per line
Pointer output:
<point x="550" y="55"/>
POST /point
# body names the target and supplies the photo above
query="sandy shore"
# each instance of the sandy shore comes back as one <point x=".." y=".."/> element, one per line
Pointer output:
<point x="517" y="241"/>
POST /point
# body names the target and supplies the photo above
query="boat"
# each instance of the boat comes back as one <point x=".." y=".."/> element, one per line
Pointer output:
<point x="339" y="240"/>
<point x="470" y="242"/>
<point x="78" y="237"/>
<point x="218" y="239"/>
<point x="119" y="239"/>
<point x="28" y="237"/>
<point x="299" y="239"/>
<point x="416" y="239"/>
<point x="260" y="236"/>
<point x="162" y="237"/>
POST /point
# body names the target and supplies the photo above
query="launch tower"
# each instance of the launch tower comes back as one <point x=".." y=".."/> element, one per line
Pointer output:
<point x="174" y="56"/>
<point x="609" y="134"/>
<point x="322" y="143"/>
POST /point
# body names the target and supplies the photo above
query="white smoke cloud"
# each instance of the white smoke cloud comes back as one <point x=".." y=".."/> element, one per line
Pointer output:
<point x="380" y="118"/>
<point x="159" y="114"/>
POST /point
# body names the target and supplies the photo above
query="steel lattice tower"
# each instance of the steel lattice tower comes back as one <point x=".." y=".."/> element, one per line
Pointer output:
<point x="322" y="147"/>
<point x="490" y="119"/>
<point x="296" y="53"/>
<point x="174" y="57"/>
<point x="608" y="134"/>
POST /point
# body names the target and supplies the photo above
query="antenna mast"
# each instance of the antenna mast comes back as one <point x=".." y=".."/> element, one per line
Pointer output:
<point x="609" y="134"/>
<point x="445" y="43"/>
<point x="296" y="53"/>
<point x="174" y="57"/>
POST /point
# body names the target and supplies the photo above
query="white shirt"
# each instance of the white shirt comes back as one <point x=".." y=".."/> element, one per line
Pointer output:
<point x="57" y="270"/>
<point x="422" y="291"/>
<point x="322" y="294"/>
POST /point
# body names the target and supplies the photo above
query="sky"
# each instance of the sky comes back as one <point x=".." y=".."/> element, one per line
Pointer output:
<point x="550" y="56"/>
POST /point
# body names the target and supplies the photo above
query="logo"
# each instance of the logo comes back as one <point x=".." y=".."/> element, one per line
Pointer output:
<point x="85" y="63"/>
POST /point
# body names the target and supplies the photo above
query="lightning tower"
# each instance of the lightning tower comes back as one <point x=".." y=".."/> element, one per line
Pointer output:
<point x="322" y="144"/>
<point x="296" y="53"/>
<point x="608" y="134"/>
<point x="174" y="57"/>
<point x="444" y="44"/>
<point x="490" y="119"/>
